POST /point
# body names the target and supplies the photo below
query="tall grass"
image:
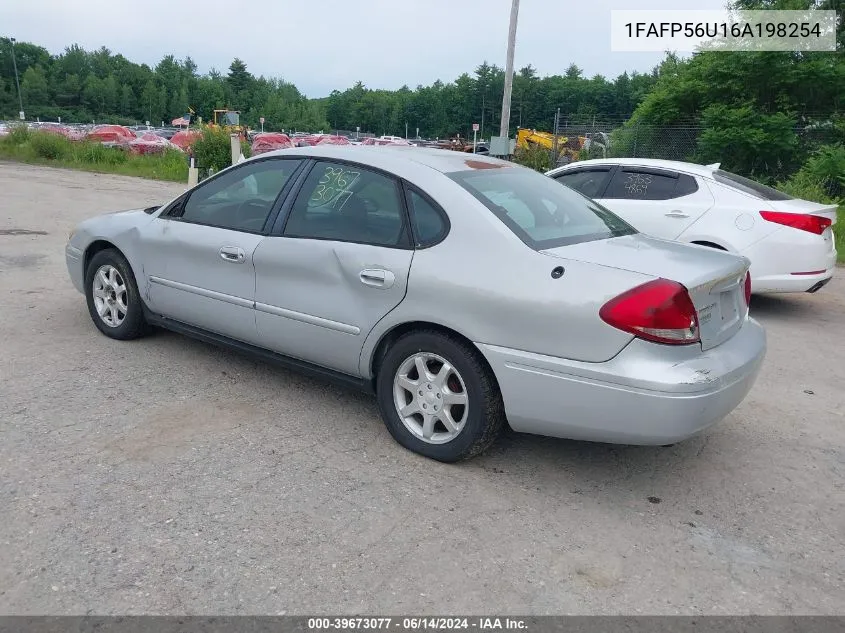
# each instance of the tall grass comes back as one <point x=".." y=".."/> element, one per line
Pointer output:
<point x="45" y="148"/>
<point x="816" y="185"/>
<point x="18" y="134"/>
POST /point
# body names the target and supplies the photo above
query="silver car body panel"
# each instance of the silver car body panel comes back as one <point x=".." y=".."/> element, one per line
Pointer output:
<point x="318" y="299"/>
<point x="561" y="369"/>
<point x="649" y="394"/>
<point x="189" y="280"/>
<point x="714" y="282"/>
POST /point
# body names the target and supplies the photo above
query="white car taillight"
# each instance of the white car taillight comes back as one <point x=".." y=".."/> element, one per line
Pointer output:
<point x="802" y="221"/>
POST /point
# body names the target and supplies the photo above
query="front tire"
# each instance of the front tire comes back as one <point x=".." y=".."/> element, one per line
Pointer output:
<point x="438" y="398"/>
<point x="114" y="302"/>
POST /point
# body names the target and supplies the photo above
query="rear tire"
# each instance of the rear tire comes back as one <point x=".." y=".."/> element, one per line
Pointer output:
<point x="114" y="302"/>
<point x="451" y="404"/>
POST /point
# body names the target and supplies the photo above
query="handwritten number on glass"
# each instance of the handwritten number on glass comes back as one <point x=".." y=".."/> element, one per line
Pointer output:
<point x="637" y="184"/>
<point x="333" y="189"/>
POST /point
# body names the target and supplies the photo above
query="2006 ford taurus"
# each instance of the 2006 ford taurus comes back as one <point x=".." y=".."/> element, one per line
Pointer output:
<point x="465" y="291"/>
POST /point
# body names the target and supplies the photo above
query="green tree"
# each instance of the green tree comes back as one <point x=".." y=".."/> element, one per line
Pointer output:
<point x="111" y="94"/>
<point x="127" y="101"/>
<point x="34" y="87"/>
<point x="150" y="106"/>
<point x="745" y="139"/>
<point x="94" y="94"/>
<point x="68" y="91"/>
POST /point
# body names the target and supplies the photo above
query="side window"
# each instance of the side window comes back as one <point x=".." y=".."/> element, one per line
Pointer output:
<point x="240" y="199"/>
<point x="348" y="204"/>
<point x="631" y="184"/>
<point x="429" y="224"/>
<point x="686" y="185"/>
<point x="590" y="182"/>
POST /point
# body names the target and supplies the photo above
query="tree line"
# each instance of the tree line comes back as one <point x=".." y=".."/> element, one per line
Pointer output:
<point x="758" y="113"/>
<point x="81" y="86"/>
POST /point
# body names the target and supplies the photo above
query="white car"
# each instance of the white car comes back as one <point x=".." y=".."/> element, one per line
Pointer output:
<point x="789" y="241"/>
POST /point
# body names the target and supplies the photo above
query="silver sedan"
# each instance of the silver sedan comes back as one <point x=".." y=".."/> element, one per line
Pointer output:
<point x="464" y="291"/>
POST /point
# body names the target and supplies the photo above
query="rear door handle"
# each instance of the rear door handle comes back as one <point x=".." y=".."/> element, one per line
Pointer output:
<point x="676" y="214"/>
<point x="377" y="277"/>
<point x="232" y="254"/>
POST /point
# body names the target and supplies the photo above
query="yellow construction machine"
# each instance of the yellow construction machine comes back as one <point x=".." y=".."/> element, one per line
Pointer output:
<point x="229" y="120"/>
<point x="567" y="148"/>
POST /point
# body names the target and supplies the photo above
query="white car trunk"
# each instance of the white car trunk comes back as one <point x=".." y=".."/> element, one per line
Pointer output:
<point x="713" y="278"/>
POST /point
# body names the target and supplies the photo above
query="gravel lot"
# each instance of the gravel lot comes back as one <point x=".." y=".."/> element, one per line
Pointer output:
<point x="167" y="476"/>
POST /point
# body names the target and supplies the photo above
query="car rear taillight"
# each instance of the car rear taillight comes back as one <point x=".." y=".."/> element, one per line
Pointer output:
<point x="659" y="311"/>
<point x="747" y="288"/>
<point x="803" y="221"/>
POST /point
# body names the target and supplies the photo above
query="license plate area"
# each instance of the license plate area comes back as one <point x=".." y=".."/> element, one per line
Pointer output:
<point x="728" y="308"/>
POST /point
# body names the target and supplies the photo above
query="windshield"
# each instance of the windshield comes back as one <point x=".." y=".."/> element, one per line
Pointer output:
<point x="751" y="187"/>
<point x="541" y="211"/>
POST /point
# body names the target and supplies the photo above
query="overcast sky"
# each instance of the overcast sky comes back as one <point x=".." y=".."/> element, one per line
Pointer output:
<point x="321" y="45"/>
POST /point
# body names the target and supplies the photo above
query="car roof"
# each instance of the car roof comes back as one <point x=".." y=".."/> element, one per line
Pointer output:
<point x="387" y="156"/>
<point x="675" y="165"/>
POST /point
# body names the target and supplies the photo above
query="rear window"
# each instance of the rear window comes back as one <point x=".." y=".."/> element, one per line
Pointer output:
<point x="746" y="185"/>
<point x="541" y="212"/>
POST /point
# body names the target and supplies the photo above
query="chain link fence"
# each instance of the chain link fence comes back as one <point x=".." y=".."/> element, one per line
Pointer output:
<point x="692" y="143"/>
<point x="681" y="143"/>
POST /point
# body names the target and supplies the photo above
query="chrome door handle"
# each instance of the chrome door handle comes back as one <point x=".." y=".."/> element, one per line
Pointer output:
<point x="676" y="214"/>
<point x="232" y="254"/>
<point x="377" y="277"/>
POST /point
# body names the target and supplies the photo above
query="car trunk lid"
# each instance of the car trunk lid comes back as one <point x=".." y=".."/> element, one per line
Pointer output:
<point x="713" y="278"/>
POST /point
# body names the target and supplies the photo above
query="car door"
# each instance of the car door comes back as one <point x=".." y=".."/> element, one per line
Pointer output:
<point x="658" y="202"/>
<point x="198" y="253"/>
<point x="338" y="263"/>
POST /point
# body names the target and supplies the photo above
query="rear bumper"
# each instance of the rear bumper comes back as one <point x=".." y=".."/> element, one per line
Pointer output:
<point x="648" y="394"/>
<point x="790" y="283"/>
<point x="776" y="258"/>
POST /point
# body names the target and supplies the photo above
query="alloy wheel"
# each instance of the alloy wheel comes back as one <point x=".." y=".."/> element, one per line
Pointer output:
<point x="430" y="397"/>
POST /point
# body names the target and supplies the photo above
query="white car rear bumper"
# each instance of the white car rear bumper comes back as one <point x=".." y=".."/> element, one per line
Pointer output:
<point x="790" y="283"/>
<point x="791" y="261"/>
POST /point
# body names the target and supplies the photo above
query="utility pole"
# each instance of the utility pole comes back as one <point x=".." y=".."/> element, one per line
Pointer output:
<point x="17" y="82"/>
<point x="506" y="98"/>
<point x="483" y="107"/>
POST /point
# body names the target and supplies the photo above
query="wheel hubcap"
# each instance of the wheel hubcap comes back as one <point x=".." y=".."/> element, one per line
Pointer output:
<point x="430" y="398"/>
<point x="109" y="290"/>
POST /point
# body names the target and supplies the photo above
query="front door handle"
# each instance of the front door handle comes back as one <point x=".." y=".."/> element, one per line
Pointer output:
<point x="232" y="254"/>
<point x="676" y="214"/>
<point x="377" y="277"/>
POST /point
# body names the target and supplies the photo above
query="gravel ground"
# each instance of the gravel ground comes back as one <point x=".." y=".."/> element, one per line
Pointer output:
<point x="167" y="476"/>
